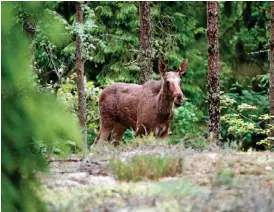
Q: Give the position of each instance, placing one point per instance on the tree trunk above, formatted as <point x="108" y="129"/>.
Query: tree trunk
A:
<point x="271" y="77"/>
<point x="213" y="72"/>
<point x="145" y="42"/>
<point x="81" y="81"/>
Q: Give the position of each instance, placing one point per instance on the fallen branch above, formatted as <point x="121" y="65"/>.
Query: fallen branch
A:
<point x="63" y="160"/>
<point x="258" y="52"/>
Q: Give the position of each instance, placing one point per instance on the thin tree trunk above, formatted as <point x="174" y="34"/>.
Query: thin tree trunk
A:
<point x="145" y="41"/>
<point x="213" y="72"/>
<point x="271" y="76"/>
<point x="81" y="81"/>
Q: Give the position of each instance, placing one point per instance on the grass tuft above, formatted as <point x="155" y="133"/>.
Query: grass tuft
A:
<point x="149" y="140"/>
<point x="224" y="177"/>
<point x="147" y="167"/>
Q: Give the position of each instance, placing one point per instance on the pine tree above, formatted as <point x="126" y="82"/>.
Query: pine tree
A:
<point x="271" y="76"/>
<point x="145" y="42"/>
<point x="213" y="72"/>
<point x="81" y="80"/>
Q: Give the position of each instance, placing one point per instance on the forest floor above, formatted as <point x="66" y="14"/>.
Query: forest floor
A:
<point x="210" y="180"/>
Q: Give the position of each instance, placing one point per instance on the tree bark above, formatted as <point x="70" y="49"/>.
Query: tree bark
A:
<point x="213" y="72"/>
<point x="80" y="77"/>
<point x="145" y="56"/>
<point x="271" y="77"/>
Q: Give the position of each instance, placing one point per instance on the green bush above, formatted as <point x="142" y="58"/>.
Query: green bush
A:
<point x="245" y="118"/>
<point x="185" y="123"/>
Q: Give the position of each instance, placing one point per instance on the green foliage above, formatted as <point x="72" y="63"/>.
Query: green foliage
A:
<point x="27" y="116"/>
<point x="244" y="29"/>
<point x="117" y="27"/>
<point x="186" y="125"/>
<point x="245" y="117"/>
<point x="186" y="120"/>
<point x="67" y="93"/>
<point x="60" y="58"/>
<point x="129" y="135"/>
<point x="147" y="167"/>
<point x="57" y="147"/>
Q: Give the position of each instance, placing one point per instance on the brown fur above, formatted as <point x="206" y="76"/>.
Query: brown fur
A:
<point x="144" y="108"/>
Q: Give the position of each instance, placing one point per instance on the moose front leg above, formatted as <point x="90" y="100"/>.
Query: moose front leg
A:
<point x="164" y="132"/>
<point x="165" y="128"/>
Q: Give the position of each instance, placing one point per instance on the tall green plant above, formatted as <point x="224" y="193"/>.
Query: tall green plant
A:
<point x="27" y="116"/>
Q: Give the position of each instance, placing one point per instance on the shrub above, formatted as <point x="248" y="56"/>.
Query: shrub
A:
<point x="185" y="121"/>
<point x="245" y="118"/>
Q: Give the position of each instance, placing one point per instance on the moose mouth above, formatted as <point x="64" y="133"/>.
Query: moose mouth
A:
<point x="177" y="105"/>
<point x="178" y="101"/>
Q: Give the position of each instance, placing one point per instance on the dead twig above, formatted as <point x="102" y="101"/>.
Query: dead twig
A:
<point x="63" y="160"/>
<point x="258" y="52"/>
<point x="50" y="56"/>
<point x="131" y="62"/>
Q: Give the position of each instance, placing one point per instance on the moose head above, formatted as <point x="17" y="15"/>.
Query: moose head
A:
<point x="172" y="81"/>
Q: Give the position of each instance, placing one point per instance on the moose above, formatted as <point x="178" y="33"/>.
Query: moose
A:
<point x="146" y="108"/>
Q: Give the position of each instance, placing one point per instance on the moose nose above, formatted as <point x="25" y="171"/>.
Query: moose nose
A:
<point x="178" y="98"/>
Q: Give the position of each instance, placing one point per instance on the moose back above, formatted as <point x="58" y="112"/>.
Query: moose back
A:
<point x="146" y="108"/>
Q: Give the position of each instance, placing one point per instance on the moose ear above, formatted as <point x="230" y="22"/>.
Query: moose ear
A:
<point x="162" y="67"/>
<point x="183" y="67"/>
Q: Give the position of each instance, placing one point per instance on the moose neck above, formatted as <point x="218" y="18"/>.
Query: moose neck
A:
<point x="165" y="101"/>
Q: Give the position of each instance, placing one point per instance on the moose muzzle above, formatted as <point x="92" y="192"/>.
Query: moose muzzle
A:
<point x="178" y="98"/>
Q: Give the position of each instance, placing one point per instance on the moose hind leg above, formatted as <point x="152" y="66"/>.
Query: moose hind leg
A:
<point x="106" y="127"/>
<point x="117" y="134"/>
